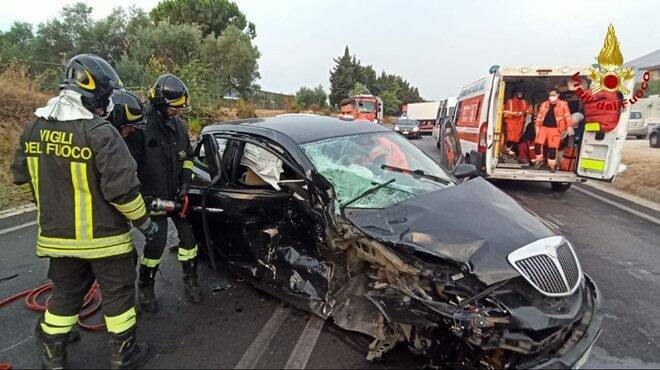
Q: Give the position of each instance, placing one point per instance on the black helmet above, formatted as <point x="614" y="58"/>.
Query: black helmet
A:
<point x="128" y="110"/>
<point x="169" y="91"/>
<point x="93" y="78"/>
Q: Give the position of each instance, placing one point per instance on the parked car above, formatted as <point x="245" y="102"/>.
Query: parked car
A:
<point x="355" y="223"/>
<point x="408" y="127"/>
<point x="654" y="137"/>
<point x="637" y="125"/>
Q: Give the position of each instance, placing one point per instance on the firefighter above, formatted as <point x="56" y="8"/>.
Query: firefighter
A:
<point x="552" y="120"/>
<point x="515" y="111"/>
<point x="83" y="180"/>
<point x="127" y="114"/>
<point x="164" y="157"/>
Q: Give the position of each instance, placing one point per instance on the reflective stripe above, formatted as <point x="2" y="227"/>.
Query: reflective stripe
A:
<point x="592" y="127"/>
<point x="121" y="323"/>
<point x="54" y="324"/>
<point x="134" y="209"/>
<point x="188" y="165"/>
<point x="87" y="249"/>
<point x="177" y="102"/>
<point x="33" y="168"/>
<point x="149" y="262"/>
<point x="592" y="164"/>
<point x="187" y="254"/>
<point x="82" y="201"/>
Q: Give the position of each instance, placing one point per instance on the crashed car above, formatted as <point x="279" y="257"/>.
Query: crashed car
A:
<point x="354" y="223"/>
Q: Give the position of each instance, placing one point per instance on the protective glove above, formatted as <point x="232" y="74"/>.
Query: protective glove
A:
<point x="183" y="190"/>
<point x="148" y="229"/>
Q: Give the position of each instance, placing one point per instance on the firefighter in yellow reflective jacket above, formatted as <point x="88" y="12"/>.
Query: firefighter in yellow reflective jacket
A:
<point x="84" y="184"/>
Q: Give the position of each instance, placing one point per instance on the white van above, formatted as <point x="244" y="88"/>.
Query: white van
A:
<point x="478" y="125"/>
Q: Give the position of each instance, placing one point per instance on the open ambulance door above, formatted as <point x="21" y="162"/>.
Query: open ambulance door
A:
<point x="495" y="127"/>
<point x="600" y="155"/>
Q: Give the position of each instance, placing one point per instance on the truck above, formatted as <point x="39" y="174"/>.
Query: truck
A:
<point x="476" y="132"/>
<point x="369" y="108"/>
<point x="426" y="113"/>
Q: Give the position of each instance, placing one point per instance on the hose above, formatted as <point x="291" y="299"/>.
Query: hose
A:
<point x="91" y="303"/>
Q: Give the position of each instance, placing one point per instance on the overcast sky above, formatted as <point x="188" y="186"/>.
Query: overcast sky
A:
<point x="439" y="46"/>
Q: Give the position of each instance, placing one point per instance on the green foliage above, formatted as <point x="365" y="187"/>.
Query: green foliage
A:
<point x="173" y="44"/>
<point x="306" y="97"/>
<point x="16" y="43"/>
<point x="348" y="72"/>
<point x="359" y="89"/>
<point x="391" y="103"/>
<point x="212" y="16"/>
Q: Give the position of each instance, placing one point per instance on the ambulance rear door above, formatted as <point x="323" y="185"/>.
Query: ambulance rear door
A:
<point x="600" y="155"/>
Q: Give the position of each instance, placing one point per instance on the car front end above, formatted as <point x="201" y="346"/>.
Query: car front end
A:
<point x="408" y="128"/>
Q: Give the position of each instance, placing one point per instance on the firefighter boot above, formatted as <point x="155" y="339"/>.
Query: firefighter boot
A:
<point x="53" y="348"/>
<point x="146" y="295"/>
<point x="126" y="352"/>
<point x="190" y="284"/>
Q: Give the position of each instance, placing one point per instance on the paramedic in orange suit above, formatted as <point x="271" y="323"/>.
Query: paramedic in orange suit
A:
<point x="553" y="119"/>
<point x="515" y="111"/>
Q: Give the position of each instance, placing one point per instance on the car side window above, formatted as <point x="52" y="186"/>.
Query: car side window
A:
<point x="199" y="158"/>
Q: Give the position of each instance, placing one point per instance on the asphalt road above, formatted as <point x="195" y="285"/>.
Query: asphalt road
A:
<point x="238" y="325"/>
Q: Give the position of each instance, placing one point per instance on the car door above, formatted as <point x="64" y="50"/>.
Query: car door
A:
<point x="449" y="145"/>
<point x="262" y="224"/>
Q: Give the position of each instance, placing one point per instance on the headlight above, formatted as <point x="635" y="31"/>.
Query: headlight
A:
<point x="396" y="128"/>
<point x="416" y="129"/>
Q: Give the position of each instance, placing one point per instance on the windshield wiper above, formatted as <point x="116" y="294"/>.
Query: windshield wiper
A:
<point x="366" y="192"/>
<point x="416" y="173"/>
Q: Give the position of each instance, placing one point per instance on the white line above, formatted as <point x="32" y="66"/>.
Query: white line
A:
<point x="253" y="354"/>
<point x="17" y="211"/>
<point x="306" y="342"/>
<point x="17" y="344"/>
<point x="17" y="227"/>
<point x="619" y="205"/>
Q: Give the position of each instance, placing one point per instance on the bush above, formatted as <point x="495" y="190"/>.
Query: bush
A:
<point x="315" y="108"/>
<point x="245" y="109"/>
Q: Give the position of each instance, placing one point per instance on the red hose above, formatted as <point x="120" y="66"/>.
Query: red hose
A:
<point x="91" y="303"/>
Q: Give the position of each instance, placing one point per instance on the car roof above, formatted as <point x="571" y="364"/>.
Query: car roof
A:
<point x="301" y="128"/>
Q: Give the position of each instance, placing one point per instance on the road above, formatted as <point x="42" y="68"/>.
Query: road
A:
<point x="238" y="325"/>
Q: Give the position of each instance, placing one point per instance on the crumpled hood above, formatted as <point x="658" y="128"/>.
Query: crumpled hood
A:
<point x="65" y="107"/>
<point x="473" y="223"/>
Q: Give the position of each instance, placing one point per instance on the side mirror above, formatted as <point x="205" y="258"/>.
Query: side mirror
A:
<point x="212" y="154"/>
<point x="464" y="170"/>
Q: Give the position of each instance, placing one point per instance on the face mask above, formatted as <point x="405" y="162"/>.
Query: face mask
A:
<point x="519" y="96"/>
<point x="553" y="99"/>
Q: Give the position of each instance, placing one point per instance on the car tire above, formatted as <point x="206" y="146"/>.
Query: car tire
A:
<point x="640" y="137"/>
<point x="653" y="141"/>
<point x="560" y="186"/>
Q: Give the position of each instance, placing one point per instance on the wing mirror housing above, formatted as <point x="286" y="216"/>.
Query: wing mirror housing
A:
<point x="464" y="170"/>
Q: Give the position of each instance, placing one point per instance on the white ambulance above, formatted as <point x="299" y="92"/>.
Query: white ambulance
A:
<point x="478" y="127"/>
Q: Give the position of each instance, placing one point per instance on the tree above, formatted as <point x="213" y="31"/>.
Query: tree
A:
<point x="173" y="44"/>
<point x="232" y="59"/>
<point x="306" y="97"/>
<point x="391" y="102"/>
<point x="212" y="16"/>
<point x="359" y="89"/>
<point x="342" y="77"/>
<point x="16" y="43"/>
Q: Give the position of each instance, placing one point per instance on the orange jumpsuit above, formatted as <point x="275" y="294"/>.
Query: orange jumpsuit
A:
<point x="394" y="155"/>
<point x="550" y="136"/>
<point x="515" y="123"/>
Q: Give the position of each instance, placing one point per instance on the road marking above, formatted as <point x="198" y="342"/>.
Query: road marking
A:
<point x="17" y="211"/>
<point x="17" y="344"/>
<point x="306" y="342"/>
<point x="18" y="227"/>
<point x="619" y="205"/>
<point x="253" y="354"/>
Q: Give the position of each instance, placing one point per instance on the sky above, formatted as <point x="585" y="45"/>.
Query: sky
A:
<point x="438" y="46"/>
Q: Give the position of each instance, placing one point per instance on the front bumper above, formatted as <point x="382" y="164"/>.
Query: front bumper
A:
<point x="575" y="355"/>
<point x="638" y="131"/>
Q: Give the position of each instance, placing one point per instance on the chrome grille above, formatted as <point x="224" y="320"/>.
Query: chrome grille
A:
<point x="549" y="265"/>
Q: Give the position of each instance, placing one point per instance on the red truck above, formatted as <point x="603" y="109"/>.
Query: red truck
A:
<point x="369" y="108"/>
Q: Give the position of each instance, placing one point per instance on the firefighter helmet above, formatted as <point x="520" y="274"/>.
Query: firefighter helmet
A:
<point x="169" y="91"/>
<point x="93" y="78"/>
<point x="128" y="110"/>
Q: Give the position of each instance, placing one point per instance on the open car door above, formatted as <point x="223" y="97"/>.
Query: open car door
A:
<point x="449" y="144"/>
<point x="600" y="154"/>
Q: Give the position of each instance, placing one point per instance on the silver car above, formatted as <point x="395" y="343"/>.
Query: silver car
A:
<point x="637" y="125"/>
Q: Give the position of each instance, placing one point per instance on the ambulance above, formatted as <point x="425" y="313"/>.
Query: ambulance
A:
<point x="478" y="125"/>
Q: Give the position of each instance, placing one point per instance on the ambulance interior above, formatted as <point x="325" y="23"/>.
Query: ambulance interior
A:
<point x="535" y="91"/>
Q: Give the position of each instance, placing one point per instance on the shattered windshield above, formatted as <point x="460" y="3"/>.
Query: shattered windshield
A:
<point x="358" y="163"/>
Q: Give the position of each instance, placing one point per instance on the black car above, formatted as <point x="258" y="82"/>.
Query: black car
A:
<point x="408" y="127"/>
<point x="352" y="222"/>
<point x="654" y="137"/>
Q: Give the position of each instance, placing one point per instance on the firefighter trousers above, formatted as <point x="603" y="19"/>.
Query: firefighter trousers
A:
<point x="73" y="277"/>
<point x="153" y="250"/>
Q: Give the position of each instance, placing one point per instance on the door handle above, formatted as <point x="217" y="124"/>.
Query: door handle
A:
<point x="209" y="210"/>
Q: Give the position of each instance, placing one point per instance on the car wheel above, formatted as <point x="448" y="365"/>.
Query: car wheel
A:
<point x="641" y="137"/>
<point x="653" y="141"/>
<point x="560" y="186"/>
